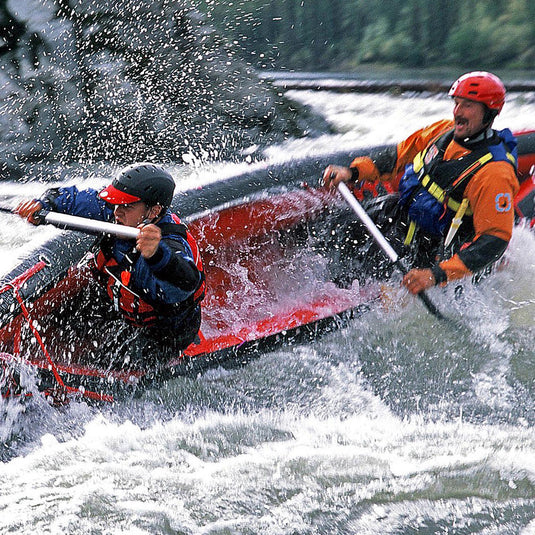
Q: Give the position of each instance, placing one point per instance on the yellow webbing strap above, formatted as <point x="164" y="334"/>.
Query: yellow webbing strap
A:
<point x="418" y="161"/>
<point x="410" y="233"/>
<point x="456" y="222"/>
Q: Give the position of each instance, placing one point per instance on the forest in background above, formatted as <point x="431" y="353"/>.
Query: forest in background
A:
<point x="338" y="35"/>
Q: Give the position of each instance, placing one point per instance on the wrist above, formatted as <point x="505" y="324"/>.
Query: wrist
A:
<point x="156" y="257"/>
<point x="440" y="275"/>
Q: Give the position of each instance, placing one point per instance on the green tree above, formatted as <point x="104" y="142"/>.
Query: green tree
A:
<point x="333" y="34"/>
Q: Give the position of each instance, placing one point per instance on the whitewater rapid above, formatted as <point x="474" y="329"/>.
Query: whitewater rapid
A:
<point x="397" y="424"/>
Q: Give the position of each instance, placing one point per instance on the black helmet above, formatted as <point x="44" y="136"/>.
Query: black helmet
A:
<point x="141" y="182"/>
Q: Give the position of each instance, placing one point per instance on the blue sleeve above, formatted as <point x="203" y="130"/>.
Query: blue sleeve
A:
<point x="171" y="275"/>
<point x="83" y="203"/>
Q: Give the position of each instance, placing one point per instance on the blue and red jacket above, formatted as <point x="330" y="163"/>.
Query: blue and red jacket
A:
<point x="164" y="290"/>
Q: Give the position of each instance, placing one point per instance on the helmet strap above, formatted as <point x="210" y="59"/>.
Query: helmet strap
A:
<point x="486" y="133"/>
<point x="150" y="221"/>
<point x="489" y="116"/>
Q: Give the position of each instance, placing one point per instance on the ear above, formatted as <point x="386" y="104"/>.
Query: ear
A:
<point x="155" y="211"/>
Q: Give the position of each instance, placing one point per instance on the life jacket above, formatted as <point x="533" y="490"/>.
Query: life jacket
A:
<point x="137" y="310"/>
<point x="433" y="188"/>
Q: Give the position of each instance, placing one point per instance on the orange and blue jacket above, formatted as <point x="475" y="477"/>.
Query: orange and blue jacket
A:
<point x="489" y="192"/>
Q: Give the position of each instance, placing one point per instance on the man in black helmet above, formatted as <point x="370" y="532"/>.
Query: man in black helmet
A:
<point x="156" y="284"/>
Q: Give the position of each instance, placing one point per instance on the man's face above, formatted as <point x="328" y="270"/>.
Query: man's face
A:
<point x="131" y="215"/>
<point x="468" y="116"/>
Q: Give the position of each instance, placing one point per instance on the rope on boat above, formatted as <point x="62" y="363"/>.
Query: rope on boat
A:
<point x="15" y="285"/>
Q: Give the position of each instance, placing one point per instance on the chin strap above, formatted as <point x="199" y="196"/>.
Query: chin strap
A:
<point x="486" y="133"/>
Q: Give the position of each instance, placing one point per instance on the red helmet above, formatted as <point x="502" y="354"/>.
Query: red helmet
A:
<point x="480" y="86"/>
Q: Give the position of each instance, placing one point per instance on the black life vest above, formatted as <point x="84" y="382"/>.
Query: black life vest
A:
<point x="433" y="188"/>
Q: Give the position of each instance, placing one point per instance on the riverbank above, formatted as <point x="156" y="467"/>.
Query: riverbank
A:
<point x="382" y="78"/>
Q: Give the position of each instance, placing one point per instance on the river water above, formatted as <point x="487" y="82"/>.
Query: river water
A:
<point x="397" y="424"/>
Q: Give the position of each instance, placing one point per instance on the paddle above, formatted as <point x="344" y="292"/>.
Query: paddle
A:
<point x="383" y="243"/>
<point x="90" y="226"/>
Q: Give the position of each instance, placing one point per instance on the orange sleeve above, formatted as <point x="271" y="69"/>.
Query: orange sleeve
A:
<point x="406" y="151"/>
<point x="491" y="192"/>
<point x="367" y="169"/>
<point x="454" y="268"/>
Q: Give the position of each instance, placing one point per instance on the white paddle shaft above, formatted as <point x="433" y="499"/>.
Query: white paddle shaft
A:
<point x="73" y="222"/>
<point x="366" y="219"/>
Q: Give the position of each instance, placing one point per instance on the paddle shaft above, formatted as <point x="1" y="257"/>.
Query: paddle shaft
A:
<point x="90" y="226"/>
<point x="383" y="243"/>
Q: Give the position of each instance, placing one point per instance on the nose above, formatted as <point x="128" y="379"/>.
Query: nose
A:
<point x="118" y="210"/>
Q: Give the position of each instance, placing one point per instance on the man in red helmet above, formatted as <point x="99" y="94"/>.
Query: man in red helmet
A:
<point x="458" y="181"/>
